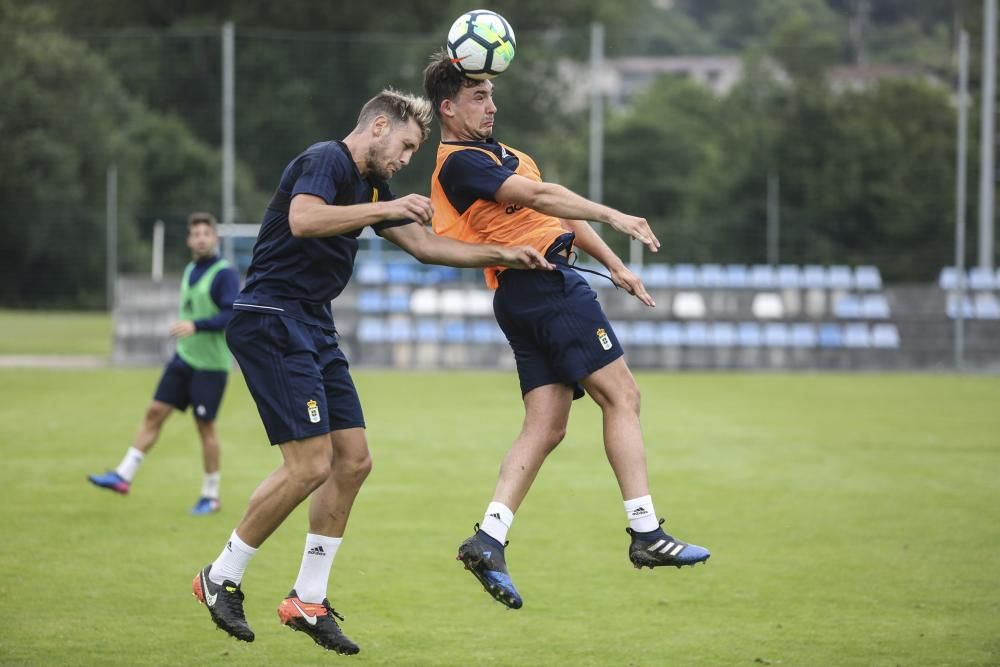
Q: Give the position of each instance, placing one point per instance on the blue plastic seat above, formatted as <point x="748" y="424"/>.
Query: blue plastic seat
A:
<point x="831" y="335"/>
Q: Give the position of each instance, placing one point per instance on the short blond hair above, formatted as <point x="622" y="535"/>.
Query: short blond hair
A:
<point x="398" y="106"/>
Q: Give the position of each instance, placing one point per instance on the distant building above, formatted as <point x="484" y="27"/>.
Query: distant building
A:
<point x="623" y="78"/>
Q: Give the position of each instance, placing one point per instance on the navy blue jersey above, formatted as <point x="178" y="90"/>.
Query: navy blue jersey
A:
<point x="467" y="176"/>
<point x="299" y="277"/>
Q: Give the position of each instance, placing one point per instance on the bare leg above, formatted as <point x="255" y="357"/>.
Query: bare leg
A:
<point x="210" y="449"/>
<point x="614" y="389"/>
<point x="546" y="413"/>
<point x="330" y="505"/>
<point x="152" y="424"/>
<point x="306" y="466"/>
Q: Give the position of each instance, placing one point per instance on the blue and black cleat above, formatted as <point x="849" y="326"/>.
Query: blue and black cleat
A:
<point x="483" y="556"/>
<point x="656" y="549"/>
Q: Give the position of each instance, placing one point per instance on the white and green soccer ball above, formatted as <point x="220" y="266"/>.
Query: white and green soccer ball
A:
<point x="481" y="44"/>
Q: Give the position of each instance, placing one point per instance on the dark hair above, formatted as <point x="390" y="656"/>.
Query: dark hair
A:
<point x="397" y="106"/>
<point x="443" y="81"/>
<point x="201" y="218"/>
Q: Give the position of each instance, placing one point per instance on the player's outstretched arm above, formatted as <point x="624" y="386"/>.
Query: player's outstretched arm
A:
<point x="554" y="199"/>
<point x="309" y="216"/>
<point x="588" y="241"/>
<point x="432" y="249"/>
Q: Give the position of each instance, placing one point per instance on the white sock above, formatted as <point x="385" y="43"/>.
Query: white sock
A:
<point x="317" y="559"/>
<point x="232" y="562"/>
<point x="641" y="515"/>
<point x="130" y="464"/>
<point x="496" y="521"/>
<point x="210" y="485"/>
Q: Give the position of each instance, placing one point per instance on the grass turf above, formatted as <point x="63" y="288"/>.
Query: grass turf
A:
<point x="53" y="332"/>
<point x="853" y="521"/>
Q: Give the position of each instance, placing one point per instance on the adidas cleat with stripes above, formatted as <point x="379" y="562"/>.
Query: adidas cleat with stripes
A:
<point x="656" y="549"/>
<point x="225" y="604"/>
<point x="483" y="557"/>
<point x="318" y="620"/>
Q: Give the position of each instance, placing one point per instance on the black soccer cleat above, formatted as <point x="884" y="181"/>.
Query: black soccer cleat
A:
<point x="483" y="557"/>
<point x="318" y="620"/>
<point x="656" y="548"/>
<point x="225" y="604"/>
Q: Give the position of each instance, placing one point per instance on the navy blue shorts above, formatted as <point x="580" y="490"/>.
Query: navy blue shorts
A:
<point x="297" y="375"/>
<point x="181" y="386"/>
<point x="555" y="325"/>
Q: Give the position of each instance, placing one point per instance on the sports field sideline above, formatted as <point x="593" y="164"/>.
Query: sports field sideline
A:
<point x="852" y="520"/>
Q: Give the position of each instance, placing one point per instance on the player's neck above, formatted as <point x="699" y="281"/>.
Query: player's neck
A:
<point x="358" y="149"/>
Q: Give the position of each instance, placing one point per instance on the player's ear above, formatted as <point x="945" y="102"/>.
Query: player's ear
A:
<point x="380" y="126"/>
<point x="447" y="108"/>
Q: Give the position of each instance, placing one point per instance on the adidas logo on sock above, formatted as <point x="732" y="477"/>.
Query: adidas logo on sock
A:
<point x="317" y="551"/>
<point x="639" y="511"/>
<point x="496" y="515"/>
<point x="229" y="545"/>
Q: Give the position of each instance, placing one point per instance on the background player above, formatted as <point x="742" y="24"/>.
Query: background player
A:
<point x="196" y="374"/>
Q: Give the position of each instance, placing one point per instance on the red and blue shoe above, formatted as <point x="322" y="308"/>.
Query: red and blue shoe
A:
<point x="111" y="481"/>
<point x="206" y="506"/>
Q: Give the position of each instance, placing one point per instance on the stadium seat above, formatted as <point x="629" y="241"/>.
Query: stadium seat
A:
<point x="656" y="276"/>
<point x="831" y="335"/>
<point x="668" y="334"/>
<point x="875" y="306"/>
<point x="815" y="277"/>
<point x="711" y="276"/>
<point x="428" y="331"/>
<point x="767" y="306"/>
<point x="789" y="276"/>
<point x="723" y="334"/>
<point x="847" y="306"/>
<point x="762" y="276"/>
<point x="776" y="334"/>
<point x="402" y="273"/>
<point x="981" y="278"/>
<point x="839" y="277"/>
<point x="371" y="330"/>
<point x="696" y="334"/>
<point x="399" y="330"/>
<point x="885" y="336"/>
<point x="370" y="273"/>
<point x="737" y="276"/>
<point x="968" y="312"/>
<point x="452" y="302"/>
<point x="689" y="305"/>
<point x="643" y="333"/>
<point x="623" y="330"/>
<point x="856" y="335"/>
<point x="986" y="306"/>
<point x="685" y="276"/>
<point x="398" y="300"/>
<point x="803" y="334"/>
<point x="371" y="301"/>
<point x="482" y="331"/>
<point x="748" y="334"/>
<point x="478" y="302"/>
<point x="455" y="331"/>
<point x="424" y="301"/>
<point x="438" y="275"/>
<point x="867" y="278"/>
<point x="948" y="279"/>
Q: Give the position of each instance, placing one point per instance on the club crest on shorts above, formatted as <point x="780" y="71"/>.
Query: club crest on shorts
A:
<point x="313" y="407"/>
<point x="602" y="336"/>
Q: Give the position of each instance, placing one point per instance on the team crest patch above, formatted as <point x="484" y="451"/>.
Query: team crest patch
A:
<point x="602" y="336"/>
<point x="313" y="411"/>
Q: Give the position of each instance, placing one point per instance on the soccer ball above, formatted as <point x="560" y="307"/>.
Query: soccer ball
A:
<point x="481" y="44"/>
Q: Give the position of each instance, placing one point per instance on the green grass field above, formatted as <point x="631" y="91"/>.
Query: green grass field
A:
<point x="853" y="521"/>
<point x="53" y="332"/>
